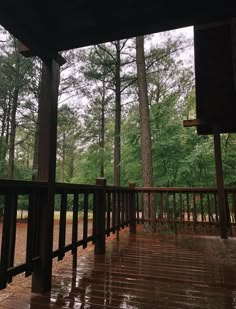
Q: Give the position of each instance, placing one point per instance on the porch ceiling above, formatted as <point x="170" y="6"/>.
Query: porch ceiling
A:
<point x="48" y="26"/>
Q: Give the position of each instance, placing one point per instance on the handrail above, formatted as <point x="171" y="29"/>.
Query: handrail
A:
<point x="182" y="205"/>
<point x="182" y="189"/>
<point x="79" y="198"/>
<point x="176" y="207"/>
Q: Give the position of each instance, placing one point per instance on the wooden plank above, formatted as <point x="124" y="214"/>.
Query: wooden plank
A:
<point x="192" y="123"/>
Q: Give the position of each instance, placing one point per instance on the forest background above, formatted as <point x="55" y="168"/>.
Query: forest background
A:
<point x="99" y="116"/>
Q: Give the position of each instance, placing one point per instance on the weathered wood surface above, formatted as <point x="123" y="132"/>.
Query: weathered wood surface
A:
<point x="143" y="271"/>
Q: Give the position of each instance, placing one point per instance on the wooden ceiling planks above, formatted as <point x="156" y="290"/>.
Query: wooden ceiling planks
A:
<point x="62" y="25"/>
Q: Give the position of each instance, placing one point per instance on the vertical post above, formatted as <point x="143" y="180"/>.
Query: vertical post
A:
<point x="100" y="212"/>
<point x="220" y="185"/>
<point x="132" y="225"/>
<point x="42" y="275"/>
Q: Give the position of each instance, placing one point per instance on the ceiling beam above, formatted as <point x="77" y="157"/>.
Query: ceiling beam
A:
<point x="26" y="52"/>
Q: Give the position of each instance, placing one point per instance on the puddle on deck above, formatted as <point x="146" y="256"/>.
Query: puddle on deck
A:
<point x="144" y="271"/>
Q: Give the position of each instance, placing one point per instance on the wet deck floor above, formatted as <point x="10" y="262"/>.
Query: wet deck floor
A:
<point x="144" y="271"/>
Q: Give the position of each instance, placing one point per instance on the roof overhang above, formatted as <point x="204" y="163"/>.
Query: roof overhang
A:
<point x="47" y="27"/>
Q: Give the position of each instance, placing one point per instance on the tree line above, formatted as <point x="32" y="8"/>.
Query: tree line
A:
<point x="120" y="112"/>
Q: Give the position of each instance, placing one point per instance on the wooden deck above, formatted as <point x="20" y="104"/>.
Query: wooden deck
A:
<point x="144" y="271"/>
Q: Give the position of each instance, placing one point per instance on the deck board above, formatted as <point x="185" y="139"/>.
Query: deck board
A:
<point x="144" y="271"/>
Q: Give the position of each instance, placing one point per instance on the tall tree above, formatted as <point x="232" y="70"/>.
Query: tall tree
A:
<point x="146" y="145"/>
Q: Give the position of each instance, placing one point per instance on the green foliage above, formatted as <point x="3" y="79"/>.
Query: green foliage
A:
<point x="180" y="156"/>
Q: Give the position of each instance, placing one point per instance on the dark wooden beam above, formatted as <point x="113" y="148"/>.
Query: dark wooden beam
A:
<point x="220" y="185"/>
<point x="192" y="123"/>
<point x="42" y="273"/>
<point x="26" y="52"/>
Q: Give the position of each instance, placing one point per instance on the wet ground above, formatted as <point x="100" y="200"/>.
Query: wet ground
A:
<point x="143" y="271"/>
<point x="20" y="282"/>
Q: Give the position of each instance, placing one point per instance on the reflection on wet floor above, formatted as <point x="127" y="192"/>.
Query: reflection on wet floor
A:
<point x="145" y="271"/>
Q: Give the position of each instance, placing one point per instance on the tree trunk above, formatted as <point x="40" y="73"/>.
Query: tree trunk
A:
<point x="12" y="134"/>
<point x="117" y="118"/>
<point x="3" y="145"/>
<point x="71" y="166"/>
<point x="146" y="145"/>
<point x="35" y="155"/>
<point x="63" y="157"/>
<point x="102" y="133"/>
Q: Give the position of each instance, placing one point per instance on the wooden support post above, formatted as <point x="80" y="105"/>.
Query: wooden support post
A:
<point x="132" y="204"/>
<point x="220" y="185"/>
<point x="99" y="219"/>
<point x="42" y="275"/>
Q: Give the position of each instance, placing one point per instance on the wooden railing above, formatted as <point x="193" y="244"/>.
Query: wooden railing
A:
<point x="94" y="212"/>
<point x="184" y="205"/>
<point x="89" y="213"/>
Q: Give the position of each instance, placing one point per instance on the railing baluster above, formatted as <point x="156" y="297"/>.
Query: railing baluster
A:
<point x="161" y="206"/>
<point x="122" y="209"/>
<point x="85" y="221"/>
<point x="62" y="229"/>
<point x="188" y="208"/>
<point x="31" y="230"/>
<point x="118" y="211"/>
<point x="201" y="205"/>
<point x="75" y="228"/>
<point x="194" y="212"/>
<point x="228" y="216"/>
<point x="167" y="206"/>
<point x="234" y="207"/>
<point x="174" y="201"/>
<point x="132" y="212"/>
<point x="8" y="237"/>
<point x="137" y="207"/>
<point x="108" y="213"/>
<point x="216" y="206"/>
<point x="149" y="207"/>
<point x="127" y="208"/>
<point x="99" y="219"/>
<point x="180" y="206"/>
<point x="209" y="207"/>
<point x="113" y="212"/>
<point x="142" y="205"/>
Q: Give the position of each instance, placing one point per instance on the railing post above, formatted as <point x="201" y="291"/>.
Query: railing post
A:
<point x="42" y="272"/>
<point x="99" y="217"/>
<point x="132" y="225"/>
<point x="220" y="186"/>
